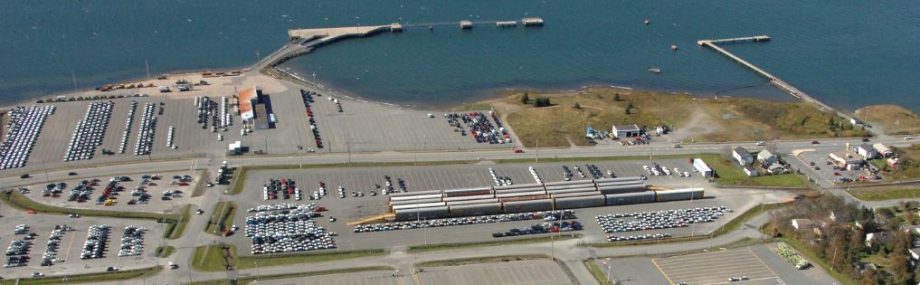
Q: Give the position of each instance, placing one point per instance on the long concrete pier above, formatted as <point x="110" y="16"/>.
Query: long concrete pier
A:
<point x="774" y="80"/>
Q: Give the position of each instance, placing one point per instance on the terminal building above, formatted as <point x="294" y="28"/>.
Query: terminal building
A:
<point x="255" y="108"/>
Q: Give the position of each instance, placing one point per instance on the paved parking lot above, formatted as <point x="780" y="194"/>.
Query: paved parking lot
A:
<point x="72" y="243"/>
<point x="716" y="267"/>
<point x="359" y="278"/>
<point x="458" y="176"/>
<point x="534" y="272"/>
<point x="825" y="172"/>
<point x="155" y="204"/>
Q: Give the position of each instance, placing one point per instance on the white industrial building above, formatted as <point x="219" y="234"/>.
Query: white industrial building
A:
<point x="883" y="150"/>
<point x="866" y="151"/>
<point x="626" y="131"/>
<point x="248" y="98"/>
<point x="702" y="168"/>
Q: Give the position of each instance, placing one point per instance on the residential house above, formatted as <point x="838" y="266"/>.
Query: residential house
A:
<point x="883" y="150"/>
<point x="803" y="224"/>
<point x="766" y="157"/>
<point x="776" y="168"/>
<point x="742" y="156"/>
<point x="750" y="171"/>
<point x="877" y="238"/>
<point x="866" y="151"/>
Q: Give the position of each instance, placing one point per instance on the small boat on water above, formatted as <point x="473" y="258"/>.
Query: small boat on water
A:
<point x="647" y="22"/>
<point x="673" y="47"/>
<point x="654" y="70"/>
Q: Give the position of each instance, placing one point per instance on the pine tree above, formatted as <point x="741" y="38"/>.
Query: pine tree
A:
<point x="525" y="99"/>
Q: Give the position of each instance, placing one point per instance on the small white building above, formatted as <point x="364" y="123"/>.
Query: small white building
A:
<point x="766" y="157"/>
<point x="866" y="151"/>
<point x="750" y="171"/>
<point x="883" y="150"/>
<point x="776" y="168"/>
<point x="626" y="131"/>
<point x="914" y="253"/>
<point x="702" y="168"/>
<point x="846" y="159"/>
<point x="877" y="238"/>
<point x="742" y="156"/>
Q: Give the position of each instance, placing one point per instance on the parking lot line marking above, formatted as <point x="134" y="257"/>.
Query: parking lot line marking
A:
<point x="761" y="262"/>
<point x="69" y="246"/>
<point x="662" y="272"/>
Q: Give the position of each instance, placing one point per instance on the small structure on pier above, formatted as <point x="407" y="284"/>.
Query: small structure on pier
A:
<point x="506" y="24"/>
<point x="532" y="21"/>
<point x="466" y="25"/>
<point x="396" y="27"/>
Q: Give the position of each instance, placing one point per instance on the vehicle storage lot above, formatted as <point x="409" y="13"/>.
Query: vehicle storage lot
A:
<point x="156" y="192"/>
<point x="72" y="243"/>
<point x="457" y="176"/>
<point x="535" y="272"/>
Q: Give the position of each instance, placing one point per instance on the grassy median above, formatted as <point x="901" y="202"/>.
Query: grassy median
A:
<point x="88" y="277"/>
<point x="478" y="260"/>
<point x="885" y="194"/>
<point x="175" y="222"/>
<point x="221" y="217"/>
<point x="731" y="174"/>
<point x="211" y="258"/>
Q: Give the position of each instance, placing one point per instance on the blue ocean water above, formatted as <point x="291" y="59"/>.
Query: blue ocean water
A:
<point x="848" y="53"/>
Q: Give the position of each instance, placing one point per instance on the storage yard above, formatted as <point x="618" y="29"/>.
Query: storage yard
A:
<point x="474" y="217"/>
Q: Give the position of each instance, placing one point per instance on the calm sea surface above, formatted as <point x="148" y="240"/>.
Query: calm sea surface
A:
<point x="848" y="53"/>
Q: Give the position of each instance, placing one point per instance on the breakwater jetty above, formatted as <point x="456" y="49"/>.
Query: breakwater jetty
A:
<point x="774" y="80"/>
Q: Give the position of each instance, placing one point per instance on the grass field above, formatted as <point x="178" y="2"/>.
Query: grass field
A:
<point x="211" y="259"/>
<point x="895" y="120"/>
<point x="164" y="251"/>
<point x="252" y="279"/>
<point x="497" y="242"/>
<point x="731" y="174"/>
<point x="693" y="118"/>
<point x="885" y="194"/>
<point x="596" y="271"/>
<point x="222" y="214"/>
<point x="908" y="168"/>
<point x="176" y="222"/>
<point x="89" y="277"/>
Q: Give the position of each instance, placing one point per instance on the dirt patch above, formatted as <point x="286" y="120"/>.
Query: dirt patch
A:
<point x="892" y="119"/>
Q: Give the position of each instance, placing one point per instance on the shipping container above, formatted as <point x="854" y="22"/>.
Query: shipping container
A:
<point x="415" y="193"/>
<point x="573" y="186"/>
<point x="618" y="179"/>
<point x="413" y="206"/>
<point x="479" y="201"/>
<point x="614" y="189"/>
<point x="576" y="190"/>
<point x="475" y="209"/>
<point x="417" y="197"/>
<point x="577" y="194"/>
<point x="420" y="201"/>
<point x="422" y="213"/>
<point x="528" y="206"/>
<point x="580" y="202"/>
<point x="630" y="198"/>
<point x="465" y="198"/>
<point x="524" y="198"/>
<point x="504" y="195"/>
<point x="467" y="192"/>
<point x="519" y="190"/>
<point x="518" y="186"/>
<point x="620" y="183"/>
<point x="679" y="194"/>
<point x="570" y="182"/>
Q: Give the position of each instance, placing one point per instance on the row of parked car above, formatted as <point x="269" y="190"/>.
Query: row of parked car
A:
<point x="17" y="253"/>
<point x="88" y="133"/>
<point x="132" y="242"/>
<point x="54" y="245"/>
<point x="663" y="219"/>
<point x="289" y="230"/>
<point x="613" y="238"/>
<point x="485" y="219"/>
<point x="307" y="97"/>
<point x="97" y="237"/>
<point x="23" y="126"/>
<point x="283" y="188"/>
<point x="481" y="128"/>
<point x="543" y="228"/>
<point x="500" y="180"/>
<point x="129" y="123"/>
<point x="658" y="170"/>
<point x="148" y="128"/>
